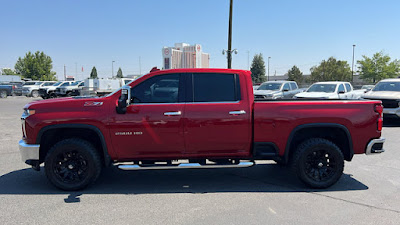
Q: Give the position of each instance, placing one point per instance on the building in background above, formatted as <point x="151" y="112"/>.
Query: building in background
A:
<point x="183" y="55"/>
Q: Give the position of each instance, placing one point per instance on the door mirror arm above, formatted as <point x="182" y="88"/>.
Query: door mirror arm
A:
<point x="125" y="99"/>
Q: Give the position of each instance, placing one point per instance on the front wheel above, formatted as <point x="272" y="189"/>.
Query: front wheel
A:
<point x="35" y="94"/>
<point x="72" y="164"/>
<point x="318" y="163"/>
<point x="3" y="94"/>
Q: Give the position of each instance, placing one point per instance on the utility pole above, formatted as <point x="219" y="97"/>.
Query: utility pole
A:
<point x="65" y="73"/>
<point x="269" y="57"/>
<point x="352" y="66"/>
<point x="230" y="37"/>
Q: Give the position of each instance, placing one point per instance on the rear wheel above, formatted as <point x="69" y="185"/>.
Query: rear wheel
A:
<point x="53" y="95"/>
<point x="3" y="94"/>
<point x="35" y="94"/>
<point x="318" y="163"/>
<point x="72" y="164"/>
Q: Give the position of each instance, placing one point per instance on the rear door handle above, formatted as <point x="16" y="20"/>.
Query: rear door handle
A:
<point x="173" y="113"/>
<point x="240" y="112"/>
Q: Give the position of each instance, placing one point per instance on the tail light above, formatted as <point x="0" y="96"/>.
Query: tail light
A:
<point x="14" y="86"/>
<point x="379" y="110"/>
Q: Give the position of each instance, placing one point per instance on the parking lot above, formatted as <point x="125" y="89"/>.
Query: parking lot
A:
<point x="367" y="193"/>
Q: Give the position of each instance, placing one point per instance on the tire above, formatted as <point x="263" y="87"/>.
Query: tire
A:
<point x="318" y="163"/>
<point x="52" y="95"/>
<point x="3" y="94"/>
<point x="35" y="94"/>
<point x="72" y="164"/>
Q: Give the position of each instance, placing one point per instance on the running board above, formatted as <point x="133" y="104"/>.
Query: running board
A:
<point x="183" y="166"/>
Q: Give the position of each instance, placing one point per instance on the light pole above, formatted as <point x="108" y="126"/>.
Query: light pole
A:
<point x="269" y="57"/>
<point x="230" y="37"/>
<point x="352" y="66"/>
<point x="112" y="68"/>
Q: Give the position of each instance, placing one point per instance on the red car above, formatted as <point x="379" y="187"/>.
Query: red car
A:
<point x="186" y="118"/>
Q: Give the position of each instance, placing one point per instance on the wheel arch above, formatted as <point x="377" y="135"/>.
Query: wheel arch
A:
<point x="337" y="133"/>
<point x="57" y="132"/>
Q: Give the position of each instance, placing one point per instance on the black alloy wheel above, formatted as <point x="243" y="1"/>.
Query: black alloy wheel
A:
<point x="318" y="163"/>
<point x="72" y="164"/>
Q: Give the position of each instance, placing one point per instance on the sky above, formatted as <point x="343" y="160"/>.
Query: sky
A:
<point x="86" y="33"/>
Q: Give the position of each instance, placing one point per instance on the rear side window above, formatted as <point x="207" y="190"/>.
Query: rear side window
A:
<point x="293" y="86"/>
<point x="348" y="87"/>
<point x="214" y="87"/>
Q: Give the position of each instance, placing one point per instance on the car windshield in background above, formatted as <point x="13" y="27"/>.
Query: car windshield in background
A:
<point x="48" y="84"/>
<point x="73" y="84"/>
<point x="29" y="83"/>
<point x="65" y="84"/>
<point x="38" y="83"/>
<point x="270" y="86"/>
<point x="56" y="84"/>
<point x="387" y="86"/>
<point x="327" y="88"/>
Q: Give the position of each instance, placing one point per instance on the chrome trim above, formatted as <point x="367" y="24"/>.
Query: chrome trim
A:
<point x="241" y="112"/>
<point x="368" y="151"/>
<point x="183" y="166"/>
<point x="28" y="151"/>
<point x="392" y="111"/>
<point x="173" y="113"/>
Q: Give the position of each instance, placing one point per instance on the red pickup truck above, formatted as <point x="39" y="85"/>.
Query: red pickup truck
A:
<point x="195" y="118"/>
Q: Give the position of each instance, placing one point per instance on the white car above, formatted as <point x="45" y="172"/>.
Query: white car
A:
<point x="277" y="90"/>
<point x="330" y="90"/>
<point x="31" y="88"/>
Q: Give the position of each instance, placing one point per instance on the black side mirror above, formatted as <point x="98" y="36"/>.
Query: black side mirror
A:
<point x="124" y="100"/>
<point x="285" y="90"/>
<point x="341" y="92"/>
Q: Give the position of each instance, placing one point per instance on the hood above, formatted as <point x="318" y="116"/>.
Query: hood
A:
<point x="382" y="95"/>
<point x="266" y="92"/>
<point x="65" y="104"/>
<point x="316" y="95"/>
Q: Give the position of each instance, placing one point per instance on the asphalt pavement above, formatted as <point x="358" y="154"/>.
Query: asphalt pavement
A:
<point x="367" y="193"/>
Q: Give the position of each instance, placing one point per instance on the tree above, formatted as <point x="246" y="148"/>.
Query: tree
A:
<point x="295" y="74"/>
<point x="35" y="66"/>
<point x="119" y="73"/>
<point x="378" y="67"/>
<point x="331" y="70"/>
<point x="93" y="74"/>
<point x="258" y="69"/>
<point x="8" y="71"/>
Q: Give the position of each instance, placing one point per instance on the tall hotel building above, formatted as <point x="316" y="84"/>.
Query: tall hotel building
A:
<point x="183" y="55"/>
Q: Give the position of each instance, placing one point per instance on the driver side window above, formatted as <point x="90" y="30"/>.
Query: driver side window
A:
<point x="158" y="89"/>
<point x="341" y="88"/>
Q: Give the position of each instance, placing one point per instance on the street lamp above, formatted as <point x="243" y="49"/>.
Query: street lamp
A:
<point x="229" y="51"/>
<point x="352" y="66"/>
<point x="269" y="57"/>
<point x="112" y="68"/>
<point x="229" y="55"/>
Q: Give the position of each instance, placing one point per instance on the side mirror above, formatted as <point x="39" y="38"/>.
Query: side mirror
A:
<point x="285" y="90"/>
<point x="124" y="100"/>
<point x="341" y="92"/>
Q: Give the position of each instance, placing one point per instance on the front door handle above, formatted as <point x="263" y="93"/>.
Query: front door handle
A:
<point x="173" y="113"/>
<point x="240" y="112"/>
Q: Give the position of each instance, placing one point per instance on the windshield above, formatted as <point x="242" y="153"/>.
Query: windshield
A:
<point x="64" y="84"/>
<point x="38" y="83"/>
<point x="29" y="83"/>
<point x="48" y="84"/>
<point x="387" y="86"/>
<point x="56" y="84"/>
<point x="327" y="88"/>
<point x="270" y="86"/>
<point x="75" y="83"/>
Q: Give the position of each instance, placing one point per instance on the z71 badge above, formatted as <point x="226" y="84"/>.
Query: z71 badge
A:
<point x="93" y="104"/>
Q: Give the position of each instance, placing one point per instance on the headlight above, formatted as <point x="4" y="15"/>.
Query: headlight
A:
<point x="28" y="112"/>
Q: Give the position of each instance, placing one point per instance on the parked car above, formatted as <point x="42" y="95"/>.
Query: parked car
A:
<point x="31" y="88"/>
<point x="17" y="87"/>
<point x="101" y="87"/>
<point x="70" y="90"/>
<point x="277" y="90"/>
<point x="388" y="91"/>
<point x="195" y="118"/>
<point x="330" y="90"/>
<point x="367" y="88"/>
<point x="5" y="90"/>
<point x="49" y="91"/>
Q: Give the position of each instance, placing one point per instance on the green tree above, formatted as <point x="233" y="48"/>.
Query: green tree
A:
<point x="7" y="71"/>
<point x="119" y="73"/>
<point x="36" y="66"/>
<point x="93" y="74"/>
<point x="331" y="70"/>
<point x="378" y="67"/>
<point x="258" y="69"/>
<point x="295" y="74"/>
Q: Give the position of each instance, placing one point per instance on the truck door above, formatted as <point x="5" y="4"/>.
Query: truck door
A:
<point x="153" y="124"/>
<point x="218" y="116"/>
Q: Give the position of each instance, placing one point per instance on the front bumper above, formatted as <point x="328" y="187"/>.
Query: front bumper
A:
<point x="375" y="146"/>
<point x="392" y="111"/>
<point x="29" y="152"/>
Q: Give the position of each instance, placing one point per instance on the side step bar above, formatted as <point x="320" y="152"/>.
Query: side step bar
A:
<point x="183" y="166"/>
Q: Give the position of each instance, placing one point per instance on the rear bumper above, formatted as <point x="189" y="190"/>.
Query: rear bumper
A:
<point x="28" y="152"/>
<point x="375" y="146"/>
<point x="392" y="111"/>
